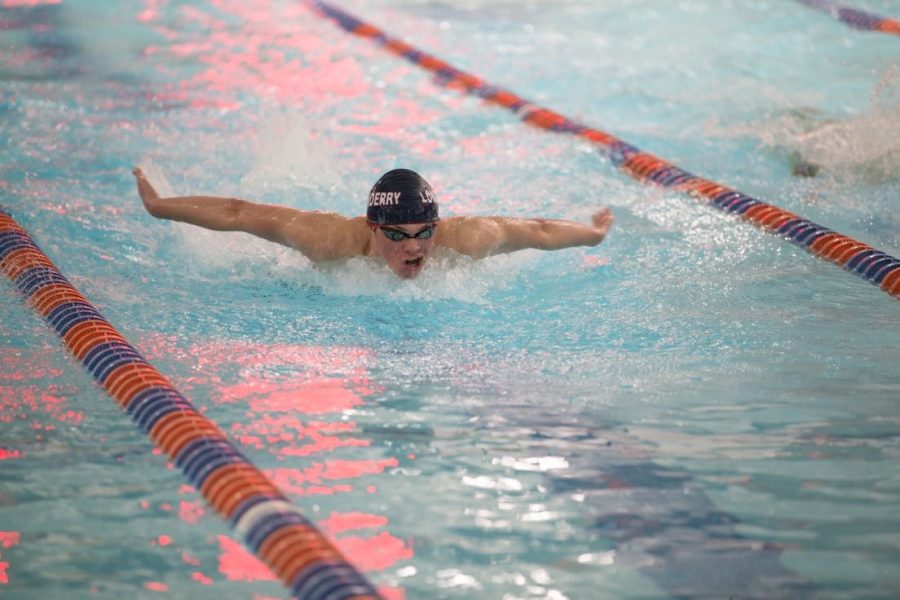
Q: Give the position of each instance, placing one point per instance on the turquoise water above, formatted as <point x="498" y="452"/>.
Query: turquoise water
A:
<point x="693" y="409"/>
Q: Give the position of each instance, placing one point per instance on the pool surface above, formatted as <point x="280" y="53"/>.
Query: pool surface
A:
<point x="693" y="409"/>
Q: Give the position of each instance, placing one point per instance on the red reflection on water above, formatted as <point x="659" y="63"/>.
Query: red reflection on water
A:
<point x="371" y="553"/>
<point x="250" y="354"/>
<point x="299" y="439"/>
<point x="375" y="553"/>
<point x="191" y="512"/>
<point x="280" y="385"/>
<point x="21" y="402"/>
<point x="151" y="10"/>
<point x="238" y="564"/>
<point x="246" y="47"/>
<point x="20" y="365"/>
<point x="292" y="480"/>
<point x="278" y="52"/>
<point x="6" y="454"/>
<point x="8" y="539"/>
<point x="201" y="578"/>
<point x="592" y="262"/>
<point x="156" y="586"/>
<point x="341" y="522"/>
<point x="21" y="3"/>
<point x="392" y="593"/>
<point x="32" y="391"/>
<point x="311" y="397"/>
<point x="482" y="145"/>
<point x="270" y="54"/>
<point x="345" y="469"/>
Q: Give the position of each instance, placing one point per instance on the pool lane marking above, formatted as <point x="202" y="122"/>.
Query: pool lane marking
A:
<point x="857" y="19"/>
<point x="876" y="266"/>
<point x="259" y="513"/>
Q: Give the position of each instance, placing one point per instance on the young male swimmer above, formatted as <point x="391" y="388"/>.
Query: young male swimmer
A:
<point x="401" y="225"/>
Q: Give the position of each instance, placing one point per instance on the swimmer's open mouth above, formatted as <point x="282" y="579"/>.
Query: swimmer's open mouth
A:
<point x="415" y="262"/>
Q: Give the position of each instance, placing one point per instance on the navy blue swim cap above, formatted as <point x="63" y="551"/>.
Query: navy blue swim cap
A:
<point x="401" y="196"/>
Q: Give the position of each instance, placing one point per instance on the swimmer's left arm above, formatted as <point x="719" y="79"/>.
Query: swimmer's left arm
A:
<point x="485" y="236"/>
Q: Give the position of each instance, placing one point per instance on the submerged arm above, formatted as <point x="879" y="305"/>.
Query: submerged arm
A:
<point x="485" y="236"/>
<point x="320" y="236"/>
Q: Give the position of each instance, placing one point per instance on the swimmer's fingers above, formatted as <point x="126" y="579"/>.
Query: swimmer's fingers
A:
<point x="138" y="174"/>
<point x="145" y="188"/>
<point x="603" y="220"/>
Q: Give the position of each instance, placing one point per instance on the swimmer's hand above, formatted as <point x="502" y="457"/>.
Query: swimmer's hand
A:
<point x="147" y="192"/>
<point x="602" y="220"/>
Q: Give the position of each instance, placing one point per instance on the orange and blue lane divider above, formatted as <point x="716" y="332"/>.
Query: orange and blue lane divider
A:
<point x="857" y="19"/>
<point x="876" y="266"/>
<point x="276" y="531"/>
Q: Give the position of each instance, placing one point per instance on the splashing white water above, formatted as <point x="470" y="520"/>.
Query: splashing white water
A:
<point x="289" y="154"/>
<point x="864" y="147"/>
<point x="447" y="276"/>
<point x="157" y="177"/>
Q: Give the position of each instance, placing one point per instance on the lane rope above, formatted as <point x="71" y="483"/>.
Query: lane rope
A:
<point x="876" y="266"/>
<point x="258" y="512"/>
<point x="857" y="19"/>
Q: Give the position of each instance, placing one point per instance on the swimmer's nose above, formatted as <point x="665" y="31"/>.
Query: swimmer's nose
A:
<point x="412" y="246"/>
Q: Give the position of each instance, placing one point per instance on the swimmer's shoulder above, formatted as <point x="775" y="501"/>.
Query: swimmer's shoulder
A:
<point x="451" y="228"/>
<point x="471" y="236"/>
<point x="326" y="236"/>
<point x="448" y="231"/>
<point x="358" y="238"/>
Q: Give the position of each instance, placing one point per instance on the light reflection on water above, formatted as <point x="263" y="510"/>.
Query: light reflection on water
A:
<point x="606" y="421"/>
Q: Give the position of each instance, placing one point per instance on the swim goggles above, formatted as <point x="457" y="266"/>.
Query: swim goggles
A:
<point x="396" y="235"/>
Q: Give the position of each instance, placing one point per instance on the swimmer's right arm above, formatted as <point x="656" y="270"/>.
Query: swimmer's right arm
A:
<point x="319" y="236"/>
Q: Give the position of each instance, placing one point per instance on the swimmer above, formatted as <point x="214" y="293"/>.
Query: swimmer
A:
<point x="401" y="225"/>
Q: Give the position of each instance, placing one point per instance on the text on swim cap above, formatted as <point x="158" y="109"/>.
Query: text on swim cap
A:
<point x="384" y="198"/>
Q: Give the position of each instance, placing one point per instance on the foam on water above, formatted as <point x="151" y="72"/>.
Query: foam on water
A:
<point x="861" y="147"/>
<point x="231" y="256"/>
<point x="447" y="276"/>
<point x="290" y="156"/>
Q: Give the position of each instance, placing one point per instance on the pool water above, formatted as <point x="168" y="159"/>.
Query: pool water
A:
<point x="693" y="409"/>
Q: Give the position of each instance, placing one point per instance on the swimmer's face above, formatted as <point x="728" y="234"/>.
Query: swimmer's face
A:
<point x="405" y="254"/>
